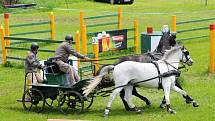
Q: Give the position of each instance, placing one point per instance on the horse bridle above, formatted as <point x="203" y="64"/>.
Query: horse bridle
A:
<point x="186" y="53"/>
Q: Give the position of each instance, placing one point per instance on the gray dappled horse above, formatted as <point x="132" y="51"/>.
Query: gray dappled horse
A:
<point x="166" y="42"/>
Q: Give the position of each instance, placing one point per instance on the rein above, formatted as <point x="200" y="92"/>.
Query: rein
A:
<point x="132" y="84"/>
<point x="167" y="63"/>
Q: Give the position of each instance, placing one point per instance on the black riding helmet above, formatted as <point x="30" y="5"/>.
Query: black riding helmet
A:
<point x="69" y="37"/>
<point x="34" y="46"/>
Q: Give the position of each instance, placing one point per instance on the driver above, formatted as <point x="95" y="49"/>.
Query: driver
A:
<point x="32" y="65"/>
<point x="62" y="59"/>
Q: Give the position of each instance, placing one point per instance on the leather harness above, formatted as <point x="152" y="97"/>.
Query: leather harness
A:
<point x="159" y="73"/>
<point x="165" y="74"/>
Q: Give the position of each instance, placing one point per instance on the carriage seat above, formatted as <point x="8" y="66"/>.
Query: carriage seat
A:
<point x="52" y="67"/>
<point x="54" y="75"/>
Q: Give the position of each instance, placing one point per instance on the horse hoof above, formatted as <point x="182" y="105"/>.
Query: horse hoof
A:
<point x="172" y="111"/>
<point x="148" y="103"/>
<point x="195" y="104"/>
<point x="162" y="105"/>
<point x="105" y="115"/>
<point x="188" y="101"/>
<point x="106" y="112"/>
<point x="135" y="109"/>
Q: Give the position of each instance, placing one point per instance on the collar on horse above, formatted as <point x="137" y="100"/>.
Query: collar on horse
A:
<point x="175" y="72"/>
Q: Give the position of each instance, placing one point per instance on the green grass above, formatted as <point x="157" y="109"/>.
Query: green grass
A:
<point x="197" y="82"/>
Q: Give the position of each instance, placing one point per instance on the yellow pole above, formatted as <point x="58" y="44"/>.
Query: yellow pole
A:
<point x="174" y="23"/>
<point x="212" y="39"/>
<point x="84" y="40"/>
<point x="119" y="18"/>
<point x="77" y="45"/>
<point x="7" y="31"/>
<point x="3" y="43"/>
<point x="52" y="26"/>
<point x="136" y="36"/>
<point x="96" y="53"/>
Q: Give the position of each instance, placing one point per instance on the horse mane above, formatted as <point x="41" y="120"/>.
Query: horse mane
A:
<point x="170" y="52"/>
<point x="166" y="41"/>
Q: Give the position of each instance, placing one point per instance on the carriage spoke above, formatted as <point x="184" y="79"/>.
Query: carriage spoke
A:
<point x="35" y="98"/>
<point x="49" y="102"/>
<point x="26" y="100"/>
<point x="73" y="102"/>
<point x="38" y="100"/>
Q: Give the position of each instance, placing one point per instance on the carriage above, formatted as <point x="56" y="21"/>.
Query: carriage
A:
<point x="80" y="95"/>
<point x="55" y="88"/>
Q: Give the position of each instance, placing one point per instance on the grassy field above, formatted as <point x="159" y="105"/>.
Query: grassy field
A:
<point x="197" y="82"/>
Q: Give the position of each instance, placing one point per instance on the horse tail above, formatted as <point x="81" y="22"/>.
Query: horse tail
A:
<point x="97" y="79"/>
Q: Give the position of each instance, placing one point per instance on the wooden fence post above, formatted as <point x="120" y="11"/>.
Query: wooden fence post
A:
<point x="119" y="18"/>
<point x="136" y="46"/>
<point x="96" y="54"/>
<point x="212" y="39"/>
<point x="52" y="26"/>
<point x="3" y="43"/>
<point x="84" y="40"/>
<point x="174" y="23"/>
<point x="7" y="30"/>
<point x="77" y="45"/>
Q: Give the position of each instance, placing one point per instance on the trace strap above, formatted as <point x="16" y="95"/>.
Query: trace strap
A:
<point x="166" y="74"/>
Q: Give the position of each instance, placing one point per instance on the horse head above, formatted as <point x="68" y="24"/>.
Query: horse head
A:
<point x="176" y="54"/>
<point x="167" y="41"/>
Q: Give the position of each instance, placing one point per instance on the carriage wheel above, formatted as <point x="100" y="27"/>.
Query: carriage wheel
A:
<point x="50" y="101"/>
<point x="33" y="99"/>
<point x="88" y="101"/>
<point x="71" y="102"/>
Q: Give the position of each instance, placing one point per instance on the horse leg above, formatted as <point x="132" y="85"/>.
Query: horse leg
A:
<point x="163" y="103"/>
<point x="188" y="98"/>
<point x="112" y="97"/>
<point x="177" y="84"/>
<point x="167" y="87"/>
<point x="122" y="95"/>
<point x="134" y="92"/>
<point x="128" y="99"/>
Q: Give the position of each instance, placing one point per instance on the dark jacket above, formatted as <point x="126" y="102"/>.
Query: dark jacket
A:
<point x="64" y="50"/>
<point x="31" y="62"/>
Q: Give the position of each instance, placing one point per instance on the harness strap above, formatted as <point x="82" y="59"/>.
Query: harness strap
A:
<point x="159" y="77"/>
<point x="167" y="74"/>
<point x="152" y="56"/>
